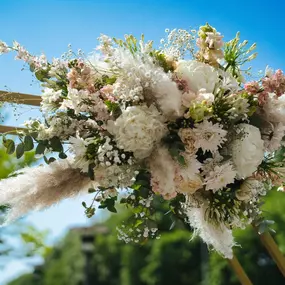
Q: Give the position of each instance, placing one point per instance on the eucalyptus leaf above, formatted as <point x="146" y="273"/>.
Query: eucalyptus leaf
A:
<point x="28" y="142"/>
<point x="10" y="146"/>
<point x="20" y="150"/>
<point x="40" y="149"/>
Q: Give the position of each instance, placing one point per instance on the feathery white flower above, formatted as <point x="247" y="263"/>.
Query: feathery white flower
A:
<point x="219" y="237"/>
<point x="40" y="187"/>
<point x="162" y="168"/>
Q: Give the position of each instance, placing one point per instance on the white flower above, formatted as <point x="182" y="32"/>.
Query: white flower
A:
<point x="198" y="75"/>
<point x="142" y="80"/>
<point x="162" y="168"/>
<point x="138" y="129"/>
<point x="209" y="136"/>
<point x="220" y="237"/>
<point x="4" y="48"/>
<point x="274" y="108"/>
<point x="240" y="106"/>
<point x="115" y="176"/>
<point x="247" y="152"/>
<point x="205" y="97"/>
<point x="275" y="141"/>
<point x="167" y="94"/>
<point x="228" y="82"/>
<point x="187" y="136"/>
<point x="79" y="148"/>
<point x="220" y="176"/>
<point x="187" y="178"/>
<point x="49" y="99"/>
<point x="268" y="71"/>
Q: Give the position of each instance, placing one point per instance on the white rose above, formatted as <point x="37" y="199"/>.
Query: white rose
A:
<point x="138" y="129"/>
<point x="247" y="151"/>
<point x="198" y="75"/>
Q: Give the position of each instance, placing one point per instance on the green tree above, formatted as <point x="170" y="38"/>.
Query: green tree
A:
<point x="172" y="259"/>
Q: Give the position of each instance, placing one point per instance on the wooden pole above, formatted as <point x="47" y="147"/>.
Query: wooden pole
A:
<point x="272" y="248"/>
<point x="20" y="98"/>
<point x="10" y="130"/>
<point x="237" y="268"/>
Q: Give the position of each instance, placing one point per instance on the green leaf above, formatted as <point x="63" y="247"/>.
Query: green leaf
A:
<point x="42" y="74"/>
<point x="10" y="146"/>
<point x="172" y="225"/>
<point x="62" y="155"/>
<point x="51" y="159"/>
<point x="91" y="190"/>
<point x="123" y="201"/>
<point x="55" y="144"/>
<point x="29" y="144"/>
<point x="138" y="223"/>
<point x="112" y="208"/>
<point x="91" y="171"/>
<point x="40" y="149"/>
<point x="84" y="204"/>
<point x="20" y="150"/>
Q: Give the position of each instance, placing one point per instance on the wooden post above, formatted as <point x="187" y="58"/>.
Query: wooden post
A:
<point x="10" y="130"/>
<point x="20" y="98"/>
<point x="237" y="268"/>
<point x="272" y="248"/>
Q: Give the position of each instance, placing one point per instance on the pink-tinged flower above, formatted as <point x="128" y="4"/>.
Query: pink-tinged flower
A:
<point x="81" y="77"/>
<point x="262" y="98"/>
<point x="252" y="87"/>
<point x="107" y="93"/>
<point x="275" y="83"/>
<point x="182" y="85"/>
<point x="214" y="40"/>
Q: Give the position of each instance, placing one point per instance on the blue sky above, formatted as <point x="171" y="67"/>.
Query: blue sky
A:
<point x="49" y="26"/>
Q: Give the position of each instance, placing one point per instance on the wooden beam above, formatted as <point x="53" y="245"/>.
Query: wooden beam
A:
<point x="10" y="130"/>
<point x="237" y="268"/>
<point x="20" y="98"/>
<point x="274" y="251"/>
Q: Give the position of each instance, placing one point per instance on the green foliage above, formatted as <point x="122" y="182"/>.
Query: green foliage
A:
<point x="175" y="146"/>
<point x="27" y="279"/>
<point x="173" y="260"/>
<point x="162" y="61"/>
<point x="236" y="54"/>
<point x="65" y="263"/>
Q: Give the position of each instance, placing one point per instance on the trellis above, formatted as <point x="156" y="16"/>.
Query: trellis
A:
<point x="266" y="238"/>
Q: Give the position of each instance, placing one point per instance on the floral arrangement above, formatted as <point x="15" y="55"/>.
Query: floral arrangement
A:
<point x="180" y="125"/>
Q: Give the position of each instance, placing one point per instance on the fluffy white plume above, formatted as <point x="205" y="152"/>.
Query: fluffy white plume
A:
<point x="41" y="187"/>
<point x="219" y="237"/>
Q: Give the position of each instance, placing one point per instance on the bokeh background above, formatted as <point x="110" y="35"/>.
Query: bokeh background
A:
<point x="60" y="245"/>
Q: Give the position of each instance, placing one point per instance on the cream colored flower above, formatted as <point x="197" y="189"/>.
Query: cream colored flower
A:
<point x="188" y="138"/>
<point x="198" y="75"/>
<point x="248" y="152"/>
<point x="138" y="130"/>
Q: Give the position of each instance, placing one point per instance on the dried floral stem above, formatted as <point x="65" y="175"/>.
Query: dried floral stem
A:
<point x="237" y="268"/>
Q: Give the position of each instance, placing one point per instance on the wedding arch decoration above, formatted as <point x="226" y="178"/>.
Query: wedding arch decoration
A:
<point x="183" y="124"/>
